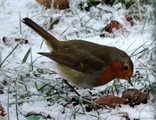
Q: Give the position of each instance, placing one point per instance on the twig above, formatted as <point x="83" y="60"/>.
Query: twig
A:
<point x="140" y="15"/>
<point x="8" y="105"/>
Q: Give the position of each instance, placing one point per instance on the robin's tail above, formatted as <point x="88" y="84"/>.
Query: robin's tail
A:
<point x="52" y="42"/>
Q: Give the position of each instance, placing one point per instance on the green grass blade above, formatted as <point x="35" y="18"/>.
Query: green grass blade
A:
<point x="26" y="56"/>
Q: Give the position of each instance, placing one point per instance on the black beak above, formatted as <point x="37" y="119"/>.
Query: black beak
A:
<point x="129" y="81"/>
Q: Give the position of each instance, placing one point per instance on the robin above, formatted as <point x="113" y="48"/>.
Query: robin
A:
<point x="85" y="64"/>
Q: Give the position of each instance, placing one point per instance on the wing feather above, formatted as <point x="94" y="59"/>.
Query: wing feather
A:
<point x="83" y="62"/>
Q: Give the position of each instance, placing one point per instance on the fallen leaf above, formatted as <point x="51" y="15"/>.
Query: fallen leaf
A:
<point x="36" y="115"/>
<point x="110" y="101"/>
<point x="134" y="96"/>
<point x="9" y="41"/>
<point x="61" y="4"/>
<point x="2" y="111"/>
<point x="53" y="22"/>
<point x="58" y="4"/>
<point x="129" y="19"/>
<point x="113" y="25"/>
<point x="46" y="3"/>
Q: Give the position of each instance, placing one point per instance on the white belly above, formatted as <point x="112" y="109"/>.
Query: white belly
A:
<point x="75" y="77"/>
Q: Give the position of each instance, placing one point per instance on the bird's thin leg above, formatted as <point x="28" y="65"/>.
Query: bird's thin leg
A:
<point x="88" y="101"/>
<point x="66" y="82"/>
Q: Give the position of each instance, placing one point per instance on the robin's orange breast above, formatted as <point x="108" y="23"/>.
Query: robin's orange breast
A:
<point x="106" y="77"/>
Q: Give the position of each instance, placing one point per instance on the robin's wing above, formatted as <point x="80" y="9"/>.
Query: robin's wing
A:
<point x="78" y="60"/>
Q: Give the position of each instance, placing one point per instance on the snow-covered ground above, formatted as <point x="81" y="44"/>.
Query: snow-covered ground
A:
<point x="21" y="79"/>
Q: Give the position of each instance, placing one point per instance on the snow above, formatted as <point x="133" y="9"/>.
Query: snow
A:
<point x="76" y="24"/>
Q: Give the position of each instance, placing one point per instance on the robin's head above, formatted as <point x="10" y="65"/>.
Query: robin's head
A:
<point x="123" y="67"/>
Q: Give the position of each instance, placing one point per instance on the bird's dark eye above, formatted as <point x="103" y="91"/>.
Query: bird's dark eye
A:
<point x="125" y="67"/>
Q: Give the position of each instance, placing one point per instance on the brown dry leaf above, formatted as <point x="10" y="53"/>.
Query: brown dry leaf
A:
<point x="110" y="101"/>
<point x="8" y="41"/>
<point x="19" y="39"/>
<point x="113" y="25"/>
<point x="1" y="89"/>
<point x="129" y="19"/>
<point x="58" y="4"/>
<point x="46" y="3"/>
<point x="2" y="111"/>
<point x="61" y="4"/>
<point x="53" y="22"/>
<point x="134" y="96"/>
